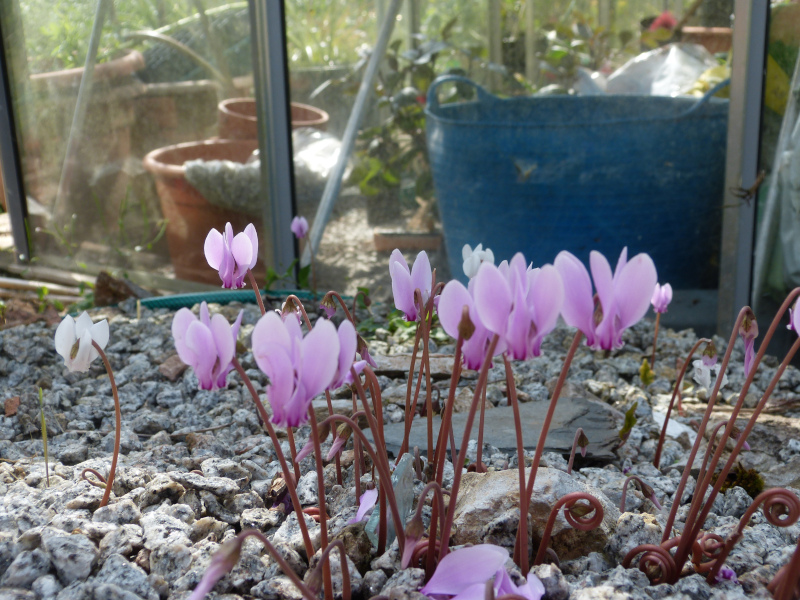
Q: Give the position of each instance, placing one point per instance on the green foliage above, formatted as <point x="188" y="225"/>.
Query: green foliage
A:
<point x="273" y="277"/>
<point x="627" y="425"/>
<point x="42" y="293"/>
<point x="303" y="276"/>
<point x="748" y="479"/>
<point x="86" y="298"/>
<point x="646" y="373"/>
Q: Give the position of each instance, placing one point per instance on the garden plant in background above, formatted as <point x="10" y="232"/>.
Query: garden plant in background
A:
<point x="503" y="315"/>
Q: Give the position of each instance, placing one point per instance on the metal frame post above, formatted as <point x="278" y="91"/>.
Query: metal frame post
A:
<point x="741" y="164"/>
<point x="271" y="82"/>
<point x="10" y="162"/>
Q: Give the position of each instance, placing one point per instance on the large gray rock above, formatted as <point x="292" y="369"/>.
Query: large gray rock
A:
<point x="73" y="556"/>
<point x="26" y="568"/>
<point x="119" y="572"/>
<point x="487" y="511"/>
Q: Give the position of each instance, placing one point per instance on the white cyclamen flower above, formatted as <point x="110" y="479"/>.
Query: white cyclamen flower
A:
<point x="474" y="258"/>
<point x="74" y="341"/>
<point x="702" y="373"/>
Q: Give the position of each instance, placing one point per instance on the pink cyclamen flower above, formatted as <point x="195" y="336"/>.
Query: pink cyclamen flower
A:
<point x="232" y="255"/>
<point x="464" y="576"/>
<point x="298" y="367"/>
<point x="221" y="564"/>
<point x="405" y="281"/>
<point x="726" y="573"/>
<point x="624" y="296"/>
<point x="299" y="227"/>
<point x="662" y="296"/>
<point x="208" y="345"/>
<point x="74" y="339"/>
<point x="366" y="503"/>
<point x="451" y="304"/>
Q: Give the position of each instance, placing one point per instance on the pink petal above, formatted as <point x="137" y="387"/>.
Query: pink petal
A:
<point x="453" y="299"/>
<point x="421" y="275"/>
<point x="465" y="567"/>
<point x="202" y="355"/>
<point x="280" y="389"/>
<point x="621" y="262"/>
<point x="546" y="299"/>
<point x="269" y="336"/>
<point x="180" y="324"/>
<point x="223" y="340"/>
<point x="204" y="316"/>
<point x="338" y="444"/>
<point x="403" y="291"/>
<point x="214" y="248"/>
<point x="519" y="322"/>
<point x="250" y="232"/>
<point x="242" y="251"/>
<point x="634" y="289"/>
<point x="320" y="356"/>
<point x="603" y="280"/>
<point x="492" y="298"/>
<point x="397" y="257"/>
<point x="578" y="308"/>
<point x="367" y="501"/>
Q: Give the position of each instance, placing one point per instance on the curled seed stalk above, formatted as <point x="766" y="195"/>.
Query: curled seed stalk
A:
<point x="781" y="509"/>
<point x="656" y="562"/>
<point x="583" y="522"/>
<point x="102" y="480"/>
<point x="347" y="313"/>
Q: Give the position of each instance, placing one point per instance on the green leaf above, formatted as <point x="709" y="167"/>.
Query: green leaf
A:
<point x="303" y="277"/>
<point x="646" y="373"/>
<point x="630" y="421"/>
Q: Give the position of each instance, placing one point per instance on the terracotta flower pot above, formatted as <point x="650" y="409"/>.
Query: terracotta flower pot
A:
<point x="237" y="118"/>
<point x="189" y="215"/>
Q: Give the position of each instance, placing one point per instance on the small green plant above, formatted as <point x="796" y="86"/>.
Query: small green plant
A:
<point x="646" y="373"/>
<point x="627" y="425"/>
<point x="42" y="293"/>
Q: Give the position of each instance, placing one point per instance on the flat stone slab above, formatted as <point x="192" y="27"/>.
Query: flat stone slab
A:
<point x="599" y="421"/>
<point x="397" y="365"/>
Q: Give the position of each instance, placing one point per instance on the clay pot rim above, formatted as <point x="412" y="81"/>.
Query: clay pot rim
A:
<point x="153" y="164"/>
<point x="322" y="118"/>
<point x="123" y="66"/>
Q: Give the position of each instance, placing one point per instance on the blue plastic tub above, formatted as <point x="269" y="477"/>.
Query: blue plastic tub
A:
<point x="580" y="173"/>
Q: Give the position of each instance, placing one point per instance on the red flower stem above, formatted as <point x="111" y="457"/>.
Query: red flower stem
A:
<point x="712" y="400"/>
<point x="694" y="526"/>
<point x="521" y="556"/>
<point x="426" y="359"/>
<point x="578" y="433"/>
<point x="336" y="458"/>
<point x="293" y="453"/>
<point x="382" y="519"/>
<point x="383" y="473"/>
<point x="323" y="515"/>
<point x="437" y="512"/>
<point x="288" y="571"/>
<point x="291" y="483"/>
<point x="655" y="340"/>
<point x="257" y="291"/>
<point x="562" y="377"/>
<point x="357" y="456"/>
<point x="377" y="402"/>
<point x="479" y="466"/>
<point x="462" y="452"/>
<point x="447" y="415"/>
<point x="693" y="522"/>
<point x="711" y="446"/>
<point x="344" y="306"/>
<point x="409" y="413"/>
<point x="675" y="392"/>
<point x="325" y="559"/>
<point x="118" y="426"/>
